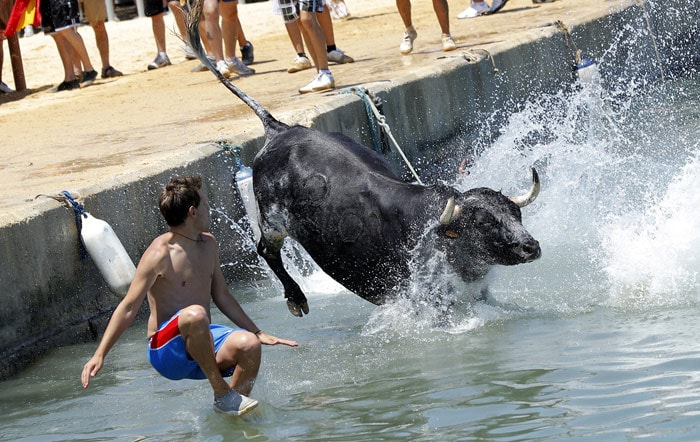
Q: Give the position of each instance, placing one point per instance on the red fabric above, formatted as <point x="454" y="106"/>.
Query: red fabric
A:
<point x="165" y="334"/>
<point x="17" y="13"/>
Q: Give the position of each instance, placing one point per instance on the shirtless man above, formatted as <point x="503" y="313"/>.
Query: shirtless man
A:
<point x="180" y="274"/>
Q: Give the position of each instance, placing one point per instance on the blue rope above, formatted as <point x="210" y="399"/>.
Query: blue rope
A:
<point x="375" y="131"/>
<point x="79" y="214"/>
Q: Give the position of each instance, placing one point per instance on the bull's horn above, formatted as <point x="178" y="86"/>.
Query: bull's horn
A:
<point x="524" y="200"/>
<point x="446" y="216"/>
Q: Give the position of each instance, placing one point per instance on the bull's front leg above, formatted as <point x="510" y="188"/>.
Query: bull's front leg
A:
<point x="296" y="300"/>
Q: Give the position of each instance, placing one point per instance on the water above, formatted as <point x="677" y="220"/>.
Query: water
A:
<point x="598" y="340"/>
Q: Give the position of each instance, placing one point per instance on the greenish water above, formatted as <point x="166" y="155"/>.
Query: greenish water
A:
<point x="598" y="340"/>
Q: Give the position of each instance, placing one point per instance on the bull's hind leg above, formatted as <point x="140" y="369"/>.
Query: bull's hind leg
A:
<point x="296" y="300"/>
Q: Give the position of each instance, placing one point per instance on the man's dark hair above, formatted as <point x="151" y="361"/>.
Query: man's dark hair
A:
<point x="178" y="196"/>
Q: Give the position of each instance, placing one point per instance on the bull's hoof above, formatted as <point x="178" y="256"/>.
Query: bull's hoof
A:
<point x="298" y="310"/>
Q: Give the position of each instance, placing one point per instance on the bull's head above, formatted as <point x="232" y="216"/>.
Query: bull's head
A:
<point x="486" y="229"/>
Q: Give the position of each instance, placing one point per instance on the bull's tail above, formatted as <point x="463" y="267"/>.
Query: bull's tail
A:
<point x="271" y="124"/>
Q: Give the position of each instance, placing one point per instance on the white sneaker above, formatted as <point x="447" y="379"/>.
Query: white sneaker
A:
<point x="496" y="5"/>
<point x="321" y="82"/>
<point x="476" y="9"/>
<point x="237" y="66"/>
<point x="407" y="44"/>
<point x="338" y="56"/>
<point x="448" y="44"/>
<point x="234" y="403"/>
<point x="223" y="68"/>
<point x="299" y="64"/>
<point x="189" y="52"/>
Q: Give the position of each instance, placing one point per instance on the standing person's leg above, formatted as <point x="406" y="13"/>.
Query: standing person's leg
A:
<point x="290" y="16"/>
<point x="75" y="40"/>
<point x="314" y="39"/>
<point x="229" y="30"/>
<point x="65" y="52"/>
<point x="154" y="10"/>
<point x="334" y="54"/>
<point x="316" y="43"/>
<point x="247" y="50"/>
<point x="442" y="11"/>
<point x="409" y="33"/>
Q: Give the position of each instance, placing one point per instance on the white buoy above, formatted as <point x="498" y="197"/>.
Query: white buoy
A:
<point x="587" y="70"/>
<point x="244" y="181"/>
<point x="108" y="254"/>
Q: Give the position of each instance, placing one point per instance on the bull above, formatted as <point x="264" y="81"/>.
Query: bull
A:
<point x="358" y="221"/>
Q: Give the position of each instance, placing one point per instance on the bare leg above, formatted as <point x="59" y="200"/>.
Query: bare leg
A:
<point x="102" y="41"/>
<point x="243" y="350"/>
<point x="194" y="328"/>
<point x="404" y="7"/>
<point x="65" y="53"/>
<point x="229" y="27"/>
<point x="79" y="51"/>
<point x="179" y="16"/>
<point x="442" y="12"/>
<point x="242" y="40"/>
<point x="315" y="41"/>
<point x="295" y="36"/>
<point x="158" y="25"/>
<point x="324" y="19"/>
<point x="213" y="30"/>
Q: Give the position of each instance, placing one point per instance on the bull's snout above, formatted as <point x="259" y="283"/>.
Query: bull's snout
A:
<point x="529" y="250"/>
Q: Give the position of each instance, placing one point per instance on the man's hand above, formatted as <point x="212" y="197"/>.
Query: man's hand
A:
<point x="273" y="340"/>
<point x="90" y="370"/>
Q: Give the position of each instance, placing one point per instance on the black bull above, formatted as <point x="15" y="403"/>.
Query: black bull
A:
<point x="358" y="221"/>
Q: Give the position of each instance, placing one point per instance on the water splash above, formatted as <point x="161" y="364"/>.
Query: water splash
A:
<point x="618" y="216"/>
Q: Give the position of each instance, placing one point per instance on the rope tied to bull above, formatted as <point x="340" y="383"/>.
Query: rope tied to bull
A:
<point x="377" y="119"/>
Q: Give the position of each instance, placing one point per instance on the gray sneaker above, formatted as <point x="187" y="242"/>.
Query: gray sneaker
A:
<point x="234" y="403"/>
<point x="237" y="66"/>
<point x="159" y="62"/>
<point x="338" y="56"/>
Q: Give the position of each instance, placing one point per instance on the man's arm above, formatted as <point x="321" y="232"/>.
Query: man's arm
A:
<point x="125" y="313"/>
<point x="230" y="307"/>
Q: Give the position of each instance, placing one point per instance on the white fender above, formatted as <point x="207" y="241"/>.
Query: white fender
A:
<point x="244" y="181"/>
<point x="108" y="254"/>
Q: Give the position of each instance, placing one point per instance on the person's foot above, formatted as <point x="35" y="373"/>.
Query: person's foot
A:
<point x="67" y="86"/>
<point x="224" y="69"/>
<point x="322" y="82"/>
<point x="407" y="44"/>
<point x="160" y="62"/>
<point x="247" y="53"/>
<point x="110" y="72"/>
<point x="338" y="56"/>
<point x="448" y="44"/>
<point x="88" y="78"/>
<point x="299" y="64"/>
<point x="234" y="404"/>
<point x="496" y="6"/>
<point x="5" y="89"/>
<point x="237" y="66"/>
<point x="476" y="9"/>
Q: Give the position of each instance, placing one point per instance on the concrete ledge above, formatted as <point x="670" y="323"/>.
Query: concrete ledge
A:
<point x="53" y="297"/>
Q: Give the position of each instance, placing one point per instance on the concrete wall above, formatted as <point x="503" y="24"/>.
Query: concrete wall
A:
<point x="53" y="297"/>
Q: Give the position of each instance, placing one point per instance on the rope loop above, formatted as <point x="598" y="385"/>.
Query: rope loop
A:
<point x="379" y="120"/>
<point x="79" y="214"/>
